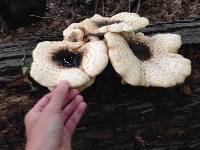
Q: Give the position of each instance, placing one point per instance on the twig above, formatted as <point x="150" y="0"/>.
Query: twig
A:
<point x="138" y="6"/>
<point x="95" y="6"/>
<point x="196" y="2"/>
<point x="41" y="17"/>
<point x="129" y="7"/>
<point x="103" y="8"/>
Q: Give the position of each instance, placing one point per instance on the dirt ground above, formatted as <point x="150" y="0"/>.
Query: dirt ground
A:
<point x="59" y="14"/>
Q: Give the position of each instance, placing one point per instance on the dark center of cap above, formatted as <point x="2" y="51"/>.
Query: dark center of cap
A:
<point x="140" y="50"/>
<point x="67" y="59"/>
<point x="106" y="23"/>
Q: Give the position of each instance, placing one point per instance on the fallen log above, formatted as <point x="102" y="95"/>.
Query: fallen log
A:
<point x="118" y="117"/>
<point x="11" y="54"/>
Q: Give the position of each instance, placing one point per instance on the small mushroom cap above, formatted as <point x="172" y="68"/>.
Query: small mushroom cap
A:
<point x="72" y="26"/>
<point x="74" y="38"/>
<point x="74" y="35"/>
<point x="77" y="36"/>
<point x="163" y="69"/>
<point x="122" y="22"/>
<point x="47" y="73"/>
<point x="96" y="58"/>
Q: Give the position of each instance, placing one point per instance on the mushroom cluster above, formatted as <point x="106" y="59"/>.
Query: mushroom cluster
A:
<point x="83" y="54"/>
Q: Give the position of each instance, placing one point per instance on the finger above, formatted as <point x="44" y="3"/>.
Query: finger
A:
<point x="70" y="96"/>
<point x="42" y="103"/>
<point x="58" y="97"/>
<point x="71" y="107"/>
<point x="75" y="118"/>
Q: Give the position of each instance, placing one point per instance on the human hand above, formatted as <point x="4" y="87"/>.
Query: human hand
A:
<point x="50" y="124"/>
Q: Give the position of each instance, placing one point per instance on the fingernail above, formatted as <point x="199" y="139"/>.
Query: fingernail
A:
<point x="77" y="90"/>
<point x="83" y="105"/>
<point x="63" y="83"/>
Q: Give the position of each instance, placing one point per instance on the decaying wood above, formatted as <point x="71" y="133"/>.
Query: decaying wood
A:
<point x="118" y="117"/>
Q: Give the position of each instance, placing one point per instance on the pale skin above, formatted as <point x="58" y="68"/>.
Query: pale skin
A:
<point x="51" y="123"/>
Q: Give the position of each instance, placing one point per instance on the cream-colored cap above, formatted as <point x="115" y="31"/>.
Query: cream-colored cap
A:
<point x="121" y="22"/>
<point x="47" y="72"/>
<point x="164" y="68"/>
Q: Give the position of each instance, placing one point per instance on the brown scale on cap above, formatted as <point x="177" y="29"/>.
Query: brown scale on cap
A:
<point x="140" y="50"/>
<point x="67" y="59"/>
<point x="106" y="23"/>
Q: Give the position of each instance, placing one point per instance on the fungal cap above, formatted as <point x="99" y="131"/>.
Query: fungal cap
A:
<point x="73" y="35"/>
<point x="96" y="57"/>
<point x="118" y="23"/>
<point x="71" y="27"/>
<point x="130" y="22"/>
<point x="92" y="58"/>
<point x="167" y="71"/>
<point x="48" y="73"/>
<point x="87" y="85"/>
<point x="164" y="68"/>
<point x="123" y="60"/>
<point x="169" y="42"/>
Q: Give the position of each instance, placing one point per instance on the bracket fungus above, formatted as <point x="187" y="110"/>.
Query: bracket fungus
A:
<point x="148" y="61"/>
<point x="83" y="54"/>
<point x="56" y="61"/>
